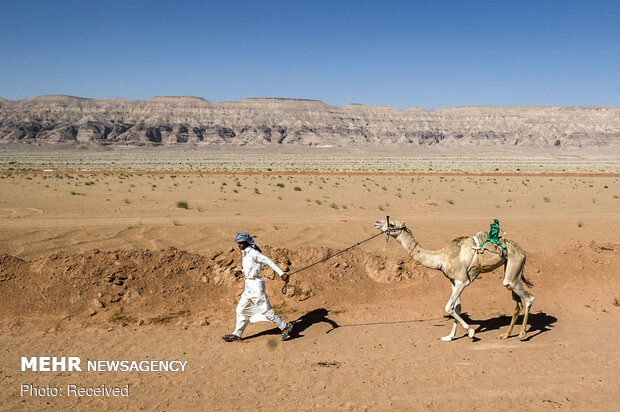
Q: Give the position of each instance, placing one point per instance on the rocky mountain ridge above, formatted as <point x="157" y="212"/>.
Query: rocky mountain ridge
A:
<point x="179" y="120"/>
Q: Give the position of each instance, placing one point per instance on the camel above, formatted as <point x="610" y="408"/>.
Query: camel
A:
<point x="461" y="264"/>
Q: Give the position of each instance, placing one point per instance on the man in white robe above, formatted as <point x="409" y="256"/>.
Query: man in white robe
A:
<point x="254" y="305"/>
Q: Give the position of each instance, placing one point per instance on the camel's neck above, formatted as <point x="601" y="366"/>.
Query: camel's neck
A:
<point x="429" y="258"/>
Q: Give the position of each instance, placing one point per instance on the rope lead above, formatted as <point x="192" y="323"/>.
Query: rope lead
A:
<point x="387" y="234"/>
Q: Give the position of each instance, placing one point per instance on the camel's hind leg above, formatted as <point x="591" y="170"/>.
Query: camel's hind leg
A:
<point x="515" y="314"/>
<point x="513" y="281"/>
<point x="528" y="299"/>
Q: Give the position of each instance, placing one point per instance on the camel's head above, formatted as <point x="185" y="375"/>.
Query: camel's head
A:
<point x="393" y="229"/>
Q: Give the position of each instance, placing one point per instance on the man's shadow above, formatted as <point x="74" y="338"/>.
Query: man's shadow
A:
<point x="539" y="322"/>
<point x="301" y="324"/>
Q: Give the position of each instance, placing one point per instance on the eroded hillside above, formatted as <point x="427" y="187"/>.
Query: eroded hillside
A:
<point x="182" y="120"/>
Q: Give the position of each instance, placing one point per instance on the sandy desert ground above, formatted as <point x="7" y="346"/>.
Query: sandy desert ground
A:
<point x="126" y="264"/>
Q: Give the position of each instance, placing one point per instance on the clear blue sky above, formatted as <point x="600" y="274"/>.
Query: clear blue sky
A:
<point x="428" y="54"/>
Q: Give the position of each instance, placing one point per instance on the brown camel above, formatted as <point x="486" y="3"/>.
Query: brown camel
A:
<point x="461" y="262"/>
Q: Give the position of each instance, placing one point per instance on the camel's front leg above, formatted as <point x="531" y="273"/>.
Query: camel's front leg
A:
<point x="455" y="323"/>
<point x="451" y="308"/>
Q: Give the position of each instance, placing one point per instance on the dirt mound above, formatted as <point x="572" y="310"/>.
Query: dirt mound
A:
<point x="143" y="286"/>
<point x="157" y="286"/>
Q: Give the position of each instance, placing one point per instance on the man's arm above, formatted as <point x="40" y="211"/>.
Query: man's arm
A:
<point x="260" y="258"/>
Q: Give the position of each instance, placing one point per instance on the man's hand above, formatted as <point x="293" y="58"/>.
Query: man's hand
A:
<point x="285" y="277"/>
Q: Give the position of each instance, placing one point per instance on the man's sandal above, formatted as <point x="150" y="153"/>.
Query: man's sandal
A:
<point x="231" y="338"/>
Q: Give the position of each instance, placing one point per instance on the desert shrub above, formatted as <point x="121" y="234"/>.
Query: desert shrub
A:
<point x="122" y="318"/>
<point x="182" y="204"/>
<point x="163" y="319"/>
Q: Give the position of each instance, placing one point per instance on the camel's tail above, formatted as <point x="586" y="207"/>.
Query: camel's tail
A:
<point x="523" y="278"/>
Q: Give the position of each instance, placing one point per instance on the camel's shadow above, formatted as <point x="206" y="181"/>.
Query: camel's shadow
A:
<point x="538" y="323"/>
<point x="301" y="324"/>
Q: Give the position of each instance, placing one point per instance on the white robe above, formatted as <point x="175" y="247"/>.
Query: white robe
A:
<point x="254" y="304"/>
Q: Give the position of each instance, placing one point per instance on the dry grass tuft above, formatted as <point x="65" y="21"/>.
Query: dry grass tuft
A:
<point x="122" y="318"/>
<point x="163" y="319"/>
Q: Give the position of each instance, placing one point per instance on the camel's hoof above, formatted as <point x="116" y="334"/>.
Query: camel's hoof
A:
<point x="446" y="338"/>
<point x="503" y="336"/>
<point x="522" y="335"/>
<point x="471" y="332"/>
